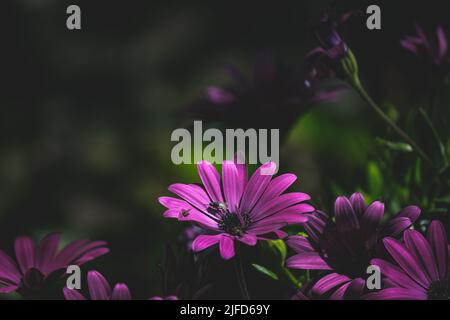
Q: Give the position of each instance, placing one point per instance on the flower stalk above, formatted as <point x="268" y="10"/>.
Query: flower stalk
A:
<point x="350" y="67"/>
<point x="240" y="275"/>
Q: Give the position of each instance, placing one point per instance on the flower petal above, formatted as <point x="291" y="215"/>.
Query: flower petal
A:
<point x="218" y="95"/>
<point x="405" y="260"/>
<point x="99" y="288"/>
<point x="25" y="253"/>
<point x="307" y="261"/>
<point x="421" y="251"/>
<point x="211" y="180"/>
<point x="340" y="292"/>
<point x="280" y="203"/>
<point x="358" y="203"/>
<point x="396" y="275"/>
<point x="372" y="217"/>
<point x="194" y="195"/>
<point x="395" y="227"/>
<point x="233" y="185"/>
<point x="121" y="292"/>
<point x="442" y="42"/>
<point x="397" y="294"/>
<point x="47" y="251"/>
<point x="329" y="282"/>
<point x="72" y="294"/>
<point x="299" y="244"/>
<point x="438" y="240"/>
<point x="248" y="239"/>
<point x="205" y="241"/>
<point x="226" y="247"/>
<point x="346" y="220"/>
<point x="276" y="187"/>
<point x="8" y="268"/>
<point x="256" y="187"/>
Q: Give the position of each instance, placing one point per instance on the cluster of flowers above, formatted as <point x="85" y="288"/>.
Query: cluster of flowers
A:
<point x="232" y="209"/>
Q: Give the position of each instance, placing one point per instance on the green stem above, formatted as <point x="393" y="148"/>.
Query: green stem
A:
<point x="358" y="87"/>
<point x="291" y="277"/>
<point x="436" y="136"/>
<point x="241" y="278"/>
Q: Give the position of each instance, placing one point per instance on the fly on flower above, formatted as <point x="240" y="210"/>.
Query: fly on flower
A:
<point x="236" y="209"/>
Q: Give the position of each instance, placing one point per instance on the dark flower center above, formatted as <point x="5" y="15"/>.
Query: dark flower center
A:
<point x="439" y="290"/>
<point x="229" y="222"/>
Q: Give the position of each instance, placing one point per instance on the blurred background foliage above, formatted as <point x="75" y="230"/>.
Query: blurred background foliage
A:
<point x="86" y="118"/>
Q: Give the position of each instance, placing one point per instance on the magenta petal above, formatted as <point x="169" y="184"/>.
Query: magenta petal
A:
<point x="173" y="203"/>
<point x="356" y="289"/>
<point x="205" y="241"/>
<point x="226" y="247"/>
<point x="340" y="292"/>
<point x="397" y="294"/>
<point x="99" y="288"/>
<point x="442" y="42"/>
<point x="438" y="241"/>
<point x="47" y="251"/>
<point x="410" y="212"/>
<point x="299" y="244"/>
<point x="395" y="226"/>
<point x="275" y="188"/>
<point x="248" y="239"/>
<point x="405" y="260"/>
<point x="256" y="187"/>
<point x="420" y="249"/>
<point x="211" y="180"/>
<point x="283" y="218"/>
<point x="7" y="286"/>
<point x="8" y="268"/>
<point x="199" y="217"/>
<point x="72" y="294"/>
<point x="282" y="202"/>
<point x="121" y="292"/>
<point x="233" y="185"/>
<point x="263" y="228"/>
<point x="358" y="203"/>
<point x="373" y="215"/>
<point x="91" y="255"/>
<point x="25" y="253"/>
<point x="307" y="261"/>
<point x="315" y="225"/>
<point x="194" y="195"/>
<point x="346" y="220"/>
<point x="329" y="282"/>
<point x="171" y="213"/>
<point x="395" y="274"/>
<point x="217" y="95"/>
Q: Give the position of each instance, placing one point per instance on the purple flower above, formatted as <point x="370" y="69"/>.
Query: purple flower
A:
<point x="99" y="289"/>
<point x="235" y="209"/>
<point x="38" y="263"/>
<point x="279" y="94"/>
<point x="421" y="268"/>
<point x="343" y="246"/>
<point x="331" y="42"/>
<point x="434" y="50"/>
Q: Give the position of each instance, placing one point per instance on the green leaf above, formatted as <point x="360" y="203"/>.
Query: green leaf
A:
<point x="279" y="247"/>
<point x="375" y="179"/>
<point x="397" y="146"/>
<point x="265" y="271"/>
